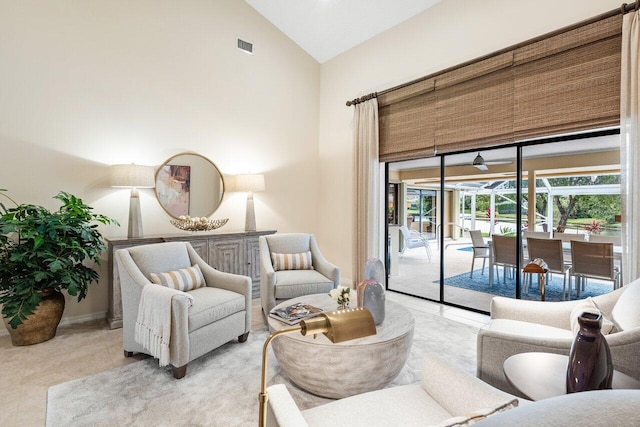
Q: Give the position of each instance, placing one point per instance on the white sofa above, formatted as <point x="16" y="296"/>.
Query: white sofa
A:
<point x="446" y="396"/>
<point x="520" y="326"/>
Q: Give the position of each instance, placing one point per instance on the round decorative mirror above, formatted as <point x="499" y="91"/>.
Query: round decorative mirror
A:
<point x="189" y="184"/>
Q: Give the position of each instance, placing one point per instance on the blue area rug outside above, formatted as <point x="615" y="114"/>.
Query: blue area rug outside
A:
<point x="553" y="287"/>
<point x="466" y="249"/>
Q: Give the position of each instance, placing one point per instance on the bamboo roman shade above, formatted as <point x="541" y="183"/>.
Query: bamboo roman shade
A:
<point x="474" y="105"/>
<point x="407" y="123"/>
<point x="564" y="82"/>
<point x="569" y="82"/>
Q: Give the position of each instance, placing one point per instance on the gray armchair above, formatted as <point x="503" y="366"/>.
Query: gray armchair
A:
<point x="287" y="284"/>
<point x="221" y="310"/>
<point x="519" y="326"/>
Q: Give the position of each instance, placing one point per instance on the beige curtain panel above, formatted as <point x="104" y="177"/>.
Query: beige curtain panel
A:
<point x="367" y="185"/>
<point x="563" y="82"/>
<point x="630" y="146"/>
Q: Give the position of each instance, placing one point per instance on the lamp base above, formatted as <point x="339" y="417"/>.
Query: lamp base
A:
<point x="250" y="219"/>
<point x="135" y="216"/>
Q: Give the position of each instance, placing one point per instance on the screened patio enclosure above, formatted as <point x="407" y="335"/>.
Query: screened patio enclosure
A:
<point x="568" y="187"/>
<point x="500" y="197"/>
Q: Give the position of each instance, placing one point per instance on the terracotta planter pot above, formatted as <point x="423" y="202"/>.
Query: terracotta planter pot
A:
<point x="42" y="324"/>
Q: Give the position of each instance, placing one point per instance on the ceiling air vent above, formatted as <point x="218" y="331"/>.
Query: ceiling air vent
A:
<point x="245" y="46"/>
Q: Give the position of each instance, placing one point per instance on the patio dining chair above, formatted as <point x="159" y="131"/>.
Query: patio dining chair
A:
<point x="568" y="237"/>
<point x="593" y="260"/>
<point x="480" y="249"/>
<point x="504" y="254"/>
<point x="550" y="250"/>
<point x="537" y="234"/>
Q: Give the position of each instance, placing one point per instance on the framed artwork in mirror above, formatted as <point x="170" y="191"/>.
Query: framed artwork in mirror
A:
<point x="173" y="185"/>
<point x="189" y="184"/>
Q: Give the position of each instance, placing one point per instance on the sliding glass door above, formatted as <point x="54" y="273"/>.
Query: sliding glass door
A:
<point x="421" y="210"/>
<point x="414" y="253"/>
<point x="458" y="238"/>
<point x="480" y="196"/>
<point x="573" y="194"/>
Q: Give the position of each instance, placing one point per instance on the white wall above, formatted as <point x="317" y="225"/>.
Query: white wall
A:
<point x="87" y="84"/>
<point x="451" y="32"/>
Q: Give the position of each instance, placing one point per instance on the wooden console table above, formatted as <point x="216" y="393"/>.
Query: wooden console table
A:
<point x="231" y="252"/>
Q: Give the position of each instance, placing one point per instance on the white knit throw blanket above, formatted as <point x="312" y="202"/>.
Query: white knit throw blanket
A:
<point x="153" y="327"/>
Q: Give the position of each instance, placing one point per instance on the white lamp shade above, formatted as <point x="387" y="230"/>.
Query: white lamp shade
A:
<point x="248" y="182"/>
<point x="132" y="176"/>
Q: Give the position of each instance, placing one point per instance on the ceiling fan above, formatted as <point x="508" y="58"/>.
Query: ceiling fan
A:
<point x="480" y="164"/>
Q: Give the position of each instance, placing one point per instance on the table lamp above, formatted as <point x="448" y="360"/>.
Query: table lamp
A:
<point x="338" y="326"/>
<point x="134" y="177"/>
<point x="250" y="182"/>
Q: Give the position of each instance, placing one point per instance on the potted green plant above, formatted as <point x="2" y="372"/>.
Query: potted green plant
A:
<point x="43" y="252"/>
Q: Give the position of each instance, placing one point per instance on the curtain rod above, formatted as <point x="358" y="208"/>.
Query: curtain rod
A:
<point x="625" y="8"/>
<point x="362" y="99"/>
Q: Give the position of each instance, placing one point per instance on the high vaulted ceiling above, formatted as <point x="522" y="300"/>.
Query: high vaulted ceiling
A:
<point x="326" y="28"/>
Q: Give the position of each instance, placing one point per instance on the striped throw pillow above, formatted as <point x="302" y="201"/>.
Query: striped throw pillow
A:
<point x="184" y="279"/>
<point x="301" y="261"/>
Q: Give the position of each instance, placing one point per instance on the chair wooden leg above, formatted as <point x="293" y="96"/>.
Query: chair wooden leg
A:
<point x="243" y="337"/>
<point x="180" y="372"/>
<point x="128" y="353"/>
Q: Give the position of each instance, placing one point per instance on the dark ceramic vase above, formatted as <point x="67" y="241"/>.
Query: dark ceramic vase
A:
<point x="590" y="366"/>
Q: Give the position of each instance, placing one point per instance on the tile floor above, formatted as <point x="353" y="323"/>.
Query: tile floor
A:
<point x="85" y="349"/>
<point x="417" y="275"/>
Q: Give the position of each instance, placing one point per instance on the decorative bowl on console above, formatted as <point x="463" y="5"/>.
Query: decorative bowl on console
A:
<point x="188" y="223"/>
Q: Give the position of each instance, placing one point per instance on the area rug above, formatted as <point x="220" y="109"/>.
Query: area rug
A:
<point x="553" y="287"/>
<point x="221" y="388"/>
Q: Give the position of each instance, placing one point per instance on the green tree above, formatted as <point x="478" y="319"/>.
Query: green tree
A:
<point x="603" y="207"/>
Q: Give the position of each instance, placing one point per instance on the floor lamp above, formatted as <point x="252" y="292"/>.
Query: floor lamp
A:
<point x="338" y="326"/>
<point x="250" y="182"/>
<point x="134" y="177"/>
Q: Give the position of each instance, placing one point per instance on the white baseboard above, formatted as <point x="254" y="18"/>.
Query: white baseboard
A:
<point x="71" y="320"/>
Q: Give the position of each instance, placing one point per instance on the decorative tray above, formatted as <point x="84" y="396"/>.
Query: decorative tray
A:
<point x="198" y="224"/>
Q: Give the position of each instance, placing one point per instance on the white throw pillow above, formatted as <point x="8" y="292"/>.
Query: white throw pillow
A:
<point x="625" y="313"/>
<point x="588" y="305"/>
